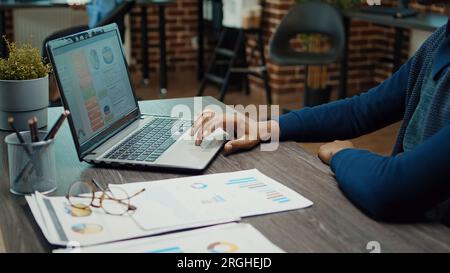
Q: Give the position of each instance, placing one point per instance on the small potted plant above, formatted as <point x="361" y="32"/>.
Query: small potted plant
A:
<point x="24" y="86"/>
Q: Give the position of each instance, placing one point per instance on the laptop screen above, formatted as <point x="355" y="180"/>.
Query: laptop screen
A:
<point x="94" y="79"/>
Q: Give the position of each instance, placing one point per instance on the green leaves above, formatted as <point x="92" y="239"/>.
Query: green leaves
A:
<point x="23" y="63"/>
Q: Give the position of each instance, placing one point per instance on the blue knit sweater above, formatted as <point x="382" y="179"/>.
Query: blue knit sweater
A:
<point x="405" y="185"/>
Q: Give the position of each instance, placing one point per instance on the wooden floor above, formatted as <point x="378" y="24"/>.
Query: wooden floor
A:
<point x="184" y="84"/>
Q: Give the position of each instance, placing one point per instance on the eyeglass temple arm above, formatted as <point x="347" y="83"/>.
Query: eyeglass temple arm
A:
<point x="137" y="193"/>
<point x="95" y="182"/>
<point x="89" y="197"/>
<point x="102" y="189"/>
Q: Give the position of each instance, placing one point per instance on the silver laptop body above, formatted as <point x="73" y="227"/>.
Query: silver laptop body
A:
<point x="106" y="123"/>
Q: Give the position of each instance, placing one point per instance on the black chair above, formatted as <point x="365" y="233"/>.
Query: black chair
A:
<point x="308" y="18"/>
<point x="118" y="16"/>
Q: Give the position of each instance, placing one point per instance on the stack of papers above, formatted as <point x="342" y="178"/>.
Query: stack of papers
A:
<point x="63" y="225"/>
<point x="228" y="238"/>
<point x="166" y="206"/>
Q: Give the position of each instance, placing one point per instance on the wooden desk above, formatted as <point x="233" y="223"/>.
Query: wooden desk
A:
<point x="425" y="21"/>
<point x="333" y="224"/>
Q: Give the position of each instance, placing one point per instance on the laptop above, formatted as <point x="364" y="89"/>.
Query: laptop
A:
<point x="106" y="123"/>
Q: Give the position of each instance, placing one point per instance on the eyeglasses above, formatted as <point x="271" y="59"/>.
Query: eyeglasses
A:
<point x="113" y="200"/>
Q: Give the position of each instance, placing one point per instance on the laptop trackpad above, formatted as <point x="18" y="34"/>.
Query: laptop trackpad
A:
<point x="185" y="153"/>
<point x="214" y="139"/>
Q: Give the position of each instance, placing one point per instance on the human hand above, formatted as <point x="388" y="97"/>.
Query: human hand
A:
<point x="328" y="150"/>
<point x="246" y="133"/>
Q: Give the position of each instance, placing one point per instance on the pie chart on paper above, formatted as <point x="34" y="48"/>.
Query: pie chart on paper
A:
<point x="78" y="212"/>
<point x="87" y="229"/>
<point x="222" y="247"/>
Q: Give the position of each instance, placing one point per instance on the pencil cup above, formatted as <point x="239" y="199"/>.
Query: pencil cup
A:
<point x="32" y="165"/>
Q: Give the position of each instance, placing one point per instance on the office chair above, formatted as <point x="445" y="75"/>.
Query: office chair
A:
<point x="117" y="16"/>
<point x="308" y="18"/>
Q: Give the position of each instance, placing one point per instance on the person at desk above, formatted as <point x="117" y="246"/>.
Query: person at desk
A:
<point x="97" y="10"/>
<point x="413" y="183"/>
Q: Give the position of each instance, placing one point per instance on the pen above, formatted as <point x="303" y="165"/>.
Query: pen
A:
<point x="52" y="133"/>
<point x="35" y="127"/>
<point x="32" y="123"/>
<point x="19" y="136"/>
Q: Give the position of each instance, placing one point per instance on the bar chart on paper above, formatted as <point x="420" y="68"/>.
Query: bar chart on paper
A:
<point x="214" y="247"/>
<point x="170" y="205"/>
<point x="224" y="195"/>
<point x="228" y="238"/>
<point x="251" y="193"/>
<point x="251" y="183"/>
<point x="174" y="249"/>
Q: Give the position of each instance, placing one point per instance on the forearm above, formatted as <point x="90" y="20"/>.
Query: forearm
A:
<point x="344" y="119"/>
<point x="349" y="118"/>
<point x="396" y="188"/>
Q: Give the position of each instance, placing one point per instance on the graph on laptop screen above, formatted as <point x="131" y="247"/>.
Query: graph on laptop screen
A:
<point x="95" y="83"/>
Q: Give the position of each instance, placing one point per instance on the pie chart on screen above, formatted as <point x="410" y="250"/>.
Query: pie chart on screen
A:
<point x="106" y="110"/>
<point x="108" y="55"/>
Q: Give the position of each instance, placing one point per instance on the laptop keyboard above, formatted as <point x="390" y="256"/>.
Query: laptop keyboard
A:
<point x="151" y="141"/>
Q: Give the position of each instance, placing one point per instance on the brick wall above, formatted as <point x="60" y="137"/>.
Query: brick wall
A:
<point x="370" y="48"/>
<point x="181" y="32"/>
<point x="8" y="25"/>
<point x="370" y="56"/>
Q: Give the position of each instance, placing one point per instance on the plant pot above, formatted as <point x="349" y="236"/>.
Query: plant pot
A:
<point x="314" y="97"/>
<point x="22" y="100"/>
